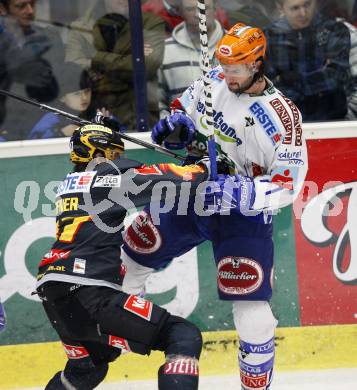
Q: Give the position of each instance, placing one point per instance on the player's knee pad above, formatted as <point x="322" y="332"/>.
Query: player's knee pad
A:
<point x="179" y="373"/>
<point x="82" y="374"/>
<point x="135" y="276"/>
<point x="255" y="324"/>
<point x="254" y="320"/>
<point x="181" y="338"/>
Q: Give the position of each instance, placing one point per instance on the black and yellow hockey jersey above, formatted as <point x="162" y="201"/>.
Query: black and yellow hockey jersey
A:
<point x="91" y="207"/>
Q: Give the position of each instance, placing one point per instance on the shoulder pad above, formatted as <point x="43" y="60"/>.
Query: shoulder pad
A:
<point x="121" y="164"/>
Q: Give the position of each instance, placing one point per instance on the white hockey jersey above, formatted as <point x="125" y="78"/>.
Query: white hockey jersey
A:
<point x="260" y="134"/>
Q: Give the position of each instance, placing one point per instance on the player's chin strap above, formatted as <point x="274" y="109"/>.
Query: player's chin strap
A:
<point x="205" y="67"/>
<point x="106" y="122"/>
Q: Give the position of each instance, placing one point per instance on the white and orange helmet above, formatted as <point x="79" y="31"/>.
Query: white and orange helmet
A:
<point x="242" y="44"/>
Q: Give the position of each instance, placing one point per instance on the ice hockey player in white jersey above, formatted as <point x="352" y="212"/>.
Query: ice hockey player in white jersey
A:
<point x="258" y="134"/>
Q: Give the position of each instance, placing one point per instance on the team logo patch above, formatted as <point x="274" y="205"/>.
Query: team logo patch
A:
<point x="182" y="367"/>
<point x="142" y="235"/>
<point x="75" y="351"/>
<point x="118" y="342"/>
<point x="225" y="50"/>
<point x="239" y="275"/>
<point x="139" y="306"/>
<point x="76" y="182"/>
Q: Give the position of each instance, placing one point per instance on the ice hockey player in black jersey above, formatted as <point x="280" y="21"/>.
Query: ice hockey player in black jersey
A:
<point x="79" y="280"/>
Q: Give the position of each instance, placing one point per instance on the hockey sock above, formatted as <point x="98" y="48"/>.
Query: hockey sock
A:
<point x="256" y="362"/>
<point x="179" y="373"/>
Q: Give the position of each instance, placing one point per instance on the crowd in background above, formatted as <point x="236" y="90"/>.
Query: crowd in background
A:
<point x="76" y="55"/>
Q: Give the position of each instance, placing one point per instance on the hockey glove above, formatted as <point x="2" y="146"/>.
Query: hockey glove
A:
<point x="2" y="317"/>
<point x="223" y="165"/>
<point x="230" y="192"/>
<point x="176" y="131"/>
<point x="109" y="121"/>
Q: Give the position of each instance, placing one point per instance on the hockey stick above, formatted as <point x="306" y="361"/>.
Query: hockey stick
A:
<point x="81" y="121"/>
<point x="205" y="67"/>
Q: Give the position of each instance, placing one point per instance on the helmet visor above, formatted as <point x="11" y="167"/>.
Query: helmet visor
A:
<point x="238" y="70"/>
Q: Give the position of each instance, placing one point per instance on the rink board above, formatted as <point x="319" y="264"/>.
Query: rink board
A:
<point x="315" y="279"/>
<point x="307" y="348"/>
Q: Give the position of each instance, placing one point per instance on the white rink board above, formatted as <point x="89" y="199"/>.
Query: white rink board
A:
<point x="337" y="379"/>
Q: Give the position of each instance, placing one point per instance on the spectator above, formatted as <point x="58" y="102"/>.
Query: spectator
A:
<point x="101" y="42"/>
<point x="30" y="54"/>
<point x="308" y="60"/>
<point x="352" y="85"/>
<point x="181" y="63"/>
<point x="75" y="98"/>
<point x="338" y="9"/>
<point x="169" y="10"/>
<point x="260" y="13"/>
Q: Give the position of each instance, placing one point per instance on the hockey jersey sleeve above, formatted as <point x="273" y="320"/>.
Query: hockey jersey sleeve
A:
<point x="189" y="99"/>
<point x="288" y="169"/>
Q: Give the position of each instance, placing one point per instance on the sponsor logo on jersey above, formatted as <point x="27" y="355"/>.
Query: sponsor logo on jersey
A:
<point x="75" y="351"/>
<point x="118" y="342"/>
<point x="107" y="181"/>
<point x="285" y="119"/>
<point x="284" y="177"/>
<point x="79" y="266"/>
<point x="219" y="123"/>
<point x="142" y="235"/>
<point x="148" y="170"/>
<point x="182" y="367"/>
<point x="54" y="255"/>
<point x="139" y="306"/>
<point x="76" y="182"/>
<point x="58" y="268"/>
<point x="296" y="118"/>
<point x="271" y="129"/>
<point x="291" y="157"/>
<point x="239" y="275"/>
